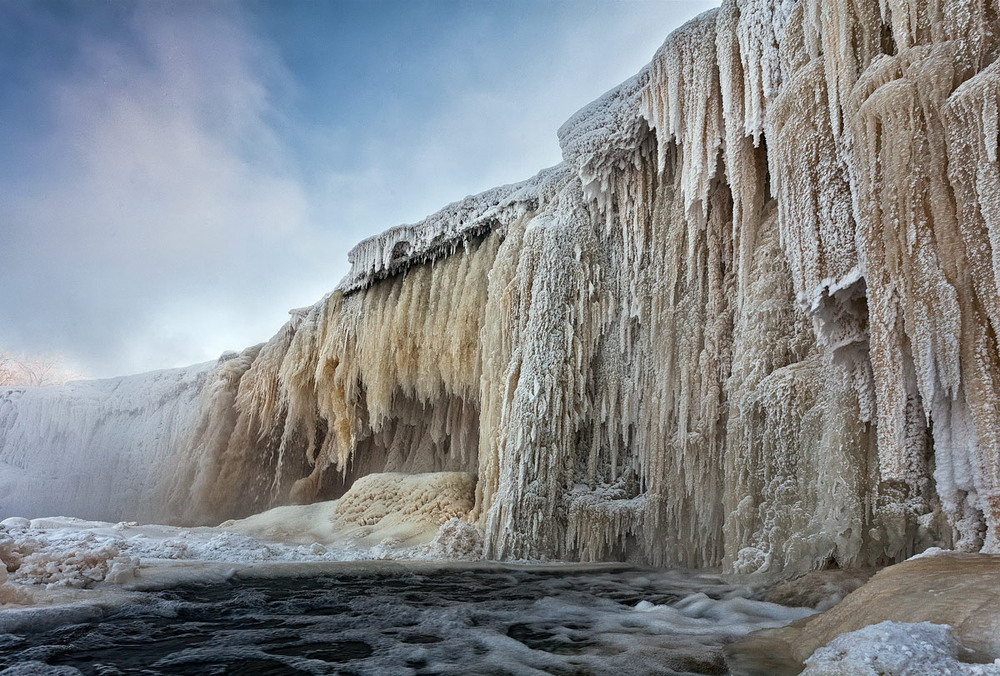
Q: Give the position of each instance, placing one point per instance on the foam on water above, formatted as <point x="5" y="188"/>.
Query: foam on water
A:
<point x="373" y="618"/>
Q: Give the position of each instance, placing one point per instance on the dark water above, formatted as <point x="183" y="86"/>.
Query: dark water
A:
<point x="476" y="621"/>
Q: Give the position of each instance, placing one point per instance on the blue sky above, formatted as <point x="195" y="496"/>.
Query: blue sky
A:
<point x="175" y="176"/>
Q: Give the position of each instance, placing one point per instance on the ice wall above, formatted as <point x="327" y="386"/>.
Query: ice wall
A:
<point x="751" y="320"/>
<point x="95" y="449"/>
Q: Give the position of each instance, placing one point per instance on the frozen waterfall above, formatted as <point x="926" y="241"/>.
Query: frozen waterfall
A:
<point x="751" y="320"/>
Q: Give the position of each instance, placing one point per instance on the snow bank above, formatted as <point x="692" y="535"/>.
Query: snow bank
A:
<point x="896" y="649"/>
<point x="75" y="567"/>
<point x="404" y="508"/>
<point x="394" y="511"/>
<point x="300" y="524"/>
<point x="383" y="516"/>
<point x="59" y="552"/>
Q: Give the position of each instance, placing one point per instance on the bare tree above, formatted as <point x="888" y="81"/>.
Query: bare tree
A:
<point x="33" y="370"/>
<point x="7" y="371"/>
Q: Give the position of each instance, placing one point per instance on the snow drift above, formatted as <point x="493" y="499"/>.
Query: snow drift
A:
<point x="751" y="320"/>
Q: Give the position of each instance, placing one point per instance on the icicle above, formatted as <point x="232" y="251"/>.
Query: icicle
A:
<point x="971" y="118"/>
<point x="683" y="104"/>
<point x="809" y="180"/>
<point x="914" y="315"/>
<point x="848" y="36"/>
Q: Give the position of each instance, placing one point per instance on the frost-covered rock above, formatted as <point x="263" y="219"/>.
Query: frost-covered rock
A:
<point x="899" y="612"/>
<point x="457" y="540"/>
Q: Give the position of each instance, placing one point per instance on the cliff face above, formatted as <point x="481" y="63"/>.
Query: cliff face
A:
<point x="751" y="320"/>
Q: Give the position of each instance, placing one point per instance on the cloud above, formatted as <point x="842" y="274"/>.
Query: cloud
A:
<point x="160" y="196"/>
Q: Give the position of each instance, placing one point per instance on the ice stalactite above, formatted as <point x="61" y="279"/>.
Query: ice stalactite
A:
<point x="382" y="375"/>
<point x="797" y="451"/>
<point x="759" y="30"/>
<point x="547" y="313"/>
<point x="847" y="35"/>
<point x="745" y="157"/>
<point x="685" y="348"/>
<point x="667" y="333"/>
<point x="683" y="104"/>
<point x="969" y="24"/>
<point x="914" y="318"/>
<point x="719" y="332"/>
<point x="968" y="472"/>
<point x="400" y="248"/>
<point x="810" y="182"/>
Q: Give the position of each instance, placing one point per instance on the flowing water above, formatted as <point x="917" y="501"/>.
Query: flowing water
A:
<point x="471" y="620"/>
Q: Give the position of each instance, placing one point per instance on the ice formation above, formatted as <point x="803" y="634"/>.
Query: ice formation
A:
<point x="432" y="498"/>
<point x="383" y="516"/>
<point x="457" y="539"/>
<point x="751" y="320"/>
<point x="95" y="449"/>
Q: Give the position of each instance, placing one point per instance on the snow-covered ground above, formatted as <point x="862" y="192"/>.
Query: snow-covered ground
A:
<point x="383" y="516"/>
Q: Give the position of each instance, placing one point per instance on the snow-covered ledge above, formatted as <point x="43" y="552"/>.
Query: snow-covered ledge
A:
<point x="440" y="234"/>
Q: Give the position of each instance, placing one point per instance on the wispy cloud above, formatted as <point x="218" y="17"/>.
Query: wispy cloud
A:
<point x="160" y="191"/>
